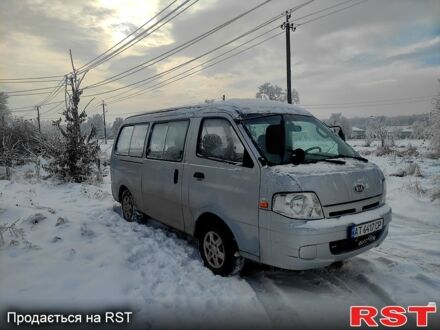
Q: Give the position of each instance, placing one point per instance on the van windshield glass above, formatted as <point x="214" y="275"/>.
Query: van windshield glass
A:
<point x="278" y="137"/>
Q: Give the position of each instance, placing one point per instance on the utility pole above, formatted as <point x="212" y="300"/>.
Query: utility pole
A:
<point x="288" y="26"/>
<point x="38" y="118"/>
<point x="105" y="127"/>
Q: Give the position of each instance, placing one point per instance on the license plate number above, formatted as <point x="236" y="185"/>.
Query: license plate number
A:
<point x="365" y="228"/>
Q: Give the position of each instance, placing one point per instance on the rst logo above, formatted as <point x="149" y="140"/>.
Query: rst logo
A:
<point x="390" y="316"/>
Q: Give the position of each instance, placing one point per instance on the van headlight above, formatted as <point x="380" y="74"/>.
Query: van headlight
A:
<point x="304" y="206"/>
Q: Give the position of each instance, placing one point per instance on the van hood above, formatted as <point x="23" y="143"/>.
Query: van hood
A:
<point x="333" y="183"/>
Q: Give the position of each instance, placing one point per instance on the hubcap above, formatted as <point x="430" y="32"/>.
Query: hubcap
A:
<point x="214" y="249"/>
<point x="127" y="207"/>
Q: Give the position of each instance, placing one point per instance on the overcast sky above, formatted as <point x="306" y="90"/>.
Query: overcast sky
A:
<point x="377" y="50"/>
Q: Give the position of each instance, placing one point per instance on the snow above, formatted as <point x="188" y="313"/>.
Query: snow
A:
<point x="93" y="260"/>
<point x="246" y="106"/>
<point x="234" y="107"/>
<point x="323" y="168"/>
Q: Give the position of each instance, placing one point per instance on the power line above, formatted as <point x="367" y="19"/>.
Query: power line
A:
<point x="56" y="107"/>
<point x="331" y="13"/>
<point x="170" y="81"/>
<point x="323" y="9"/>
<point x="128" y="36"/>
<point x="5" y="81"/>
<point x="139" y="38"/>
<point x="31" y="107"/>
<point x="231" y="56"/>
<point x="303" y="23"/>
<point x="36" y="79"/>
<point x="177" y="48"/>
<point x="370" y="101"/>
<point x="30" y="90"/>
<point x="183" y="64"/>
<point x="206" y="62"/>
<point x="368" y="105"/>
<point x="414" y="101"/>
<point x="28" y="78"/>
<point x="41" y="93"/>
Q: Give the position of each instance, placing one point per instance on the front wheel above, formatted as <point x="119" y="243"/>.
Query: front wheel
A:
<point x="219" y="251"/>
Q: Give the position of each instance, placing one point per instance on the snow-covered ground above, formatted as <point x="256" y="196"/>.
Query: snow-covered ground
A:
<point x="71" y="249"/>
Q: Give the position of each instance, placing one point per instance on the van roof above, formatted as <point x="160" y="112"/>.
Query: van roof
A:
<point x="237" y="108"/>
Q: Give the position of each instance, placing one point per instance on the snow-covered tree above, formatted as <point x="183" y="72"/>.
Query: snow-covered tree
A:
<point x="116" y="125"/>
<point x="376" y="129"/>
<point x="97" y="121"/>
<point x="268" y="91"/>
<point x="4" y="111"/>
<point x="435" y="125"/>
<point x="339" y="120"/>
<point x="420" y="129"/>
<point x="77" y="160"/>
<point x="295" y="96"/>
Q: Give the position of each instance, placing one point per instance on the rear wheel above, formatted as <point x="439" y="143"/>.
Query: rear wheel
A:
<point x="127" y="205"/>
<point x="219" y="251"/>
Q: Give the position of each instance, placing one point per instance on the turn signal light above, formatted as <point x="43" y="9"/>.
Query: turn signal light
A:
<point x="263" y="204"/>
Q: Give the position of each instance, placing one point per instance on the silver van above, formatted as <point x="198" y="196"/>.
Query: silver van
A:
<point x="252" y="179"/>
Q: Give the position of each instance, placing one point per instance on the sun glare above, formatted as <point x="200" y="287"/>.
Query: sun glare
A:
<point x="129" y="15"/>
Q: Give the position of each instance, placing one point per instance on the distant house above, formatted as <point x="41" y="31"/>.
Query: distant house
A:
<point x="357" y="133"/>
<point x="400" y="132"/>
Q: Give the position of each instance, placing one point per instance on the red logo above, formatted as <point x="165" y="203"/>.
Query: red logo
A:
<point x="390" y="316"/>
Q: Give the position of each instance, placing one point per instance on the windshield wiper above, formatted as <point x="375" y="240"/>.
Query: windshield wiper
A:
<point x="362" y="159"/>
<point x="333" y="161"/>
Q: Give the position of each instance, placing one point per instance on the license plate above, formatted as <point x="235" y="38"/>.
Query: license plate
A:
<point x="365" y="228"/>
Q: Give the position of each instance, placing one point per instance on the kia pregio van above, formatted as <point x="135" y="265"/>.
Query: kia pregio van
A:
<point x="251" y="179"/>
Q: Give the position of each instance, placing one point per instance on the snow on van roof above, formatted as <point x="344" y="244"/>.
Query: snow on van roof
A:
<point x="235" y="107"/>
<point x="247" y="106"/>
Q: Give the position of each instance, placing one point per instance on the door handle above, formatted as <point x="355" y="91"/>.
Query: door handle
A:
<point x="176" y="176"/>
<point x="199" y="175"/>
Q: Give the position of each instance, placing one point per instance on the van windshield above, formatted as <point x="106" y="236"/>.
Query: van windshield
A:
<point x="278" y="137"/>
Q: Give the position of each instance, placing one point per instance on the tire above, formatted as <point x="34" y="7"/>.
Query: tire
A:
<point x="127" y="205"/>
<point x="219" y="251"/>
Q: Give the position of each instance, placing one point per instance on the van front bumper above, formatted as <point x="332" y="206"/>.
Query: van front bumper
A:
<point x="298" y="245"/>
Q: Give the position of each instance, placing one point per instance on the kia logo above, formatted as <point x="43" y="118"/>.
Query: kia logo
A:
<point x="359" y="187"/>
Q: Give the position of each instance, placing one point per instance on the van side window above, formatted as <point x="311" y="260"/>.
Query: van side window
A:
<point x="167" y="141"/>
<point x="138" y="140"/>
<point x="123" y="145"/>
<point x="218" y="141"/>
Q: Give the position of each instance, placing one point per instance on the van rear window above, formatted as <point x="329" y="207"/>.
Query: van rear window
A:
<point x="123" y="145"/>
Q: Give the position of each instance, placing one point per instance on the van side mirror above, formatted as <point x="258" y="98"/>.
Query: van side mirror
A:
<point x="339" y="131"/>
<point x="275" y="139"/>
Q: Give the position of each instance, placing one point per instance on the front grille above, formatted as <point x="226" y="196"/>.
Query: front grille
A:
<point x="336" y="210"/>
<point x="348" y="245"/>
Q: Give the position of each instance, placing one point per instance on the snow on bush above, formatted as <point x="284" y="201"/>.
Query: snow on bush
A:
<point x="411" y="169"/>
<point x="435" y="128"/>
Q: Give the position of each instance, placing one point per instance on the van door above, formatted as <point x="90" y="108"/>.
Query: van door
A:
<point x="162" y="172"/>
<point x="224" y="180"/>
